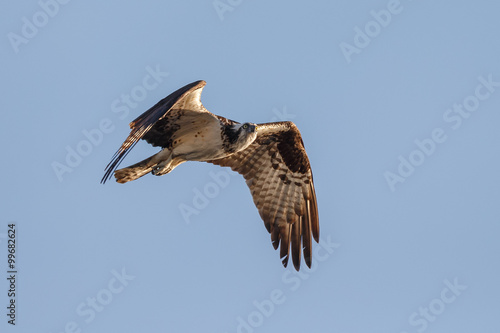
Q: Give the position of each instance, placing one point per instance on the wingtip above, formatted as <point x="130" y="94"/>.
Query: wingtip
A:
<point x="316" y="236"/>
<point x="106" y="177"/>
<point x="308" y="261"/>
<point x="284" y="261"/>
<point x="197" y="84"/>
<point x="296" y="266"/>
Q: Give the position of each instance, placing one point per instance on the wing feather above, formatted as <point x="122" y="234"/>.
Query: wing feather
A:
<point x="314" y="214"/>
<point x="296" y="242"/>
<point x="273" y="192"/>
<point x="285" y="234"/>
<point x="277" y="171"/>
<point x="281" y="223"/>
<point x="272" y="187"/>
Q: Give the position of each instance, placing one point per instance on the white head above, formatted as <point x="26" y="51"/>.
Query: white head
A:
<point x="242" y="135"/>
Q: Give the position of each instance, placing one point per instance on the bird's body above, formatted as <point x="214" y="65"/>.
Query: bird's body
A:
<point x="271" y="157"/>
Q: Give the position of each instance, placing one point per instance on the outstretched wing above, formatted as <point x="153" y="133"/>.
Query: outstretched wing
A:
<point x="278" y="173"/>
<point x="156" y="125"/>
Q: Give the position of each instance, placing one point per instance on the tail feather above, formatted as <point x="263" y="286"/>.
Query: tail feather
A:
<point x="135" y="171"/>
<point x="159" y="164"/>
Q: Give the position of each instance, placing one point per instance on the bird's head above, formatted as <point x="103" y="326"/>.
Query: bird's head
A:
<point x="245" y="135"/>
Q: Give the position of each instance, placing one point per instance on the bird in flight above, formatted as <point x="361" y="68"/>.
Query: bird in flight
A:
<point x="271" y="157"/>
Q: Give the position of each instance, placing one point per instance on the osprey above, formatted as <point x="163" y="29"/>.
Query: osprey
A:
<point x="271" y="157"/>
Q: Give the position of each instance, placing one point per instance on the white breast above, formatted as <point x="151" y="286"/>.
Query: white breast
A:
<point x="199" y="141"/>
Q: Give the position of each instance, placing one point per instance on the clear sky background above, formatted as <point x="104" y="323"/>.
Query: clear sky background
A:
<point x="398" y="105"/>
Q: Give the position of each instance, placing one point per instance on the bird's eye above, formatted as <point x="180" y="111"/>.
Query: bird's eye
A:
<point x="245" y="126"/>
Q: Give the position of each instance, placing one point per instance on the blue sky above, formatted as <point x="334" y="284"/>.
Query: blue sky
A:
<point x="397" y="103"/>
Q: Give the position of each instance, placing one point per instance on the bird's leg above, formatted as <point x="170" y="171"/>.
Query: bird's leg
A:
<point x="166" y="166"/>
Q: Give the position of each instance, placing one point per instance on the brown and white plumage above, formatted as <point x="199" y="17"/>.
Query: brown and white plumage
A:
<point x="277" y="171"/>
<point x="271" y="157"/>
